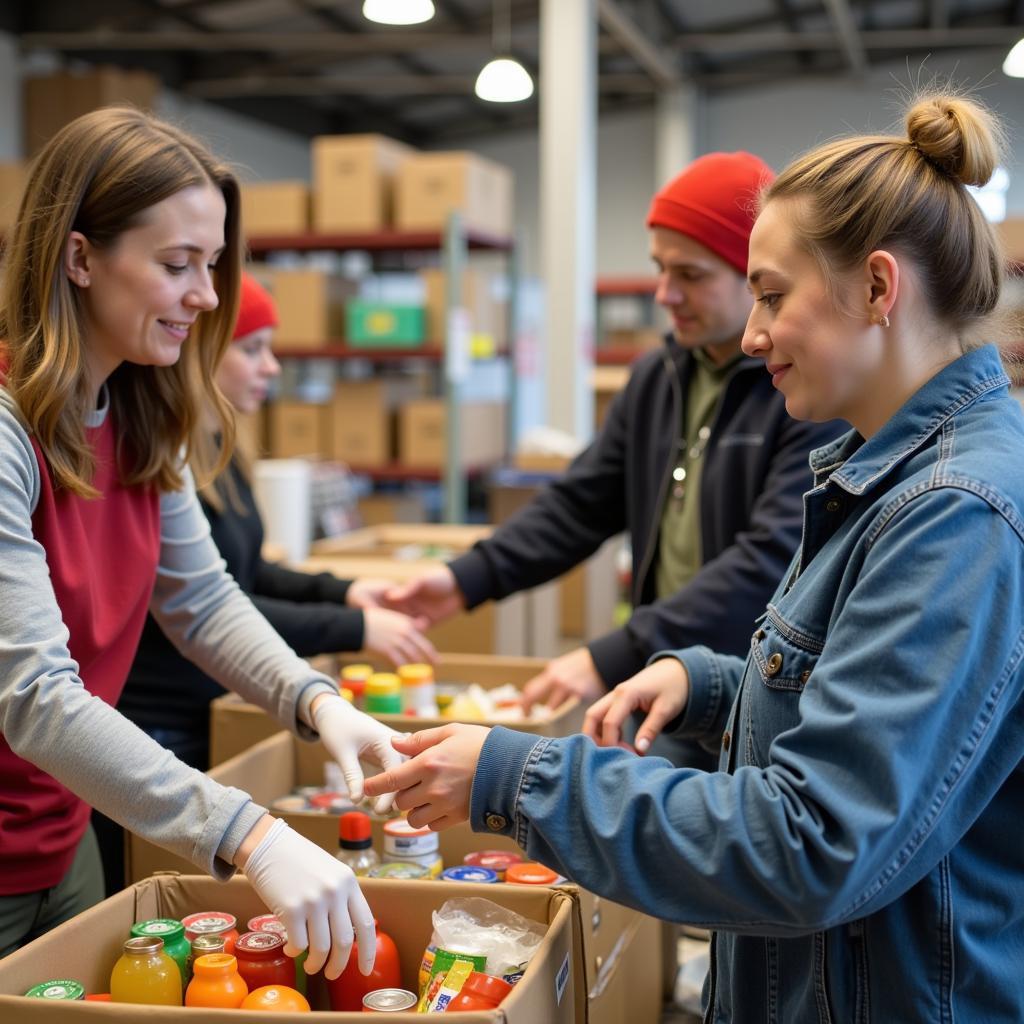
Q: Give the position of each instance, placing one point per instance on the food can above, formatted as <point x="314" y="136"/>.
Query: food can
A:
<point x="469" y="873"/>
<point x="58" y="988"/>
<point x="389" y="1000"/>
<point x="398" y="869"/>
<point x="497" y="860"/>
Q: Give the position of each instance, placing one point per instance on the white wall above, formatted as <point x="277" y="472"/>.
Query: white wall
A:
<point x="776" y="123"/>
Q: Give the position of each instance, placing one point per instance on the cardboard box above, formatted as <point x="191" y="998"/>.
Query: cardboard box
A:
<point x="640" y="338"/>
<point x="553" y="988"/>
<point x="52" y="101"/>
<point x="12" y="184"/>
<point x="310" y="308"/>
<point x="421" y="434"/>
<point x="353" y="178"/>
<point x="1011" y="234"/>
<point x="297" y="429"/>
<point x="430" y="186"/>
<point x="400" y="507"/>
<point x="236" y="726"/>
<point x="522" y="624"/>
<point x="383" y="325"/>
<point x="362" y="423"/>
<point x="618" y="949"/>
<point x="275" y="208"/>
<point x="487" y="316"/>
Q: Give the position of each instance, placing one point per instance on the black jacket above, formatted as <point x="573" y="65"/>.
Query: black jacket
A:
<point x="754" y="475"/>
<point x="166" y="691"/>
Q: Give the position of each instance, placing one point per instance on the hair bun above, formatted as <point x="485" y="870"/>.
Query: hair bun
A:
<point x="957" y="136"/>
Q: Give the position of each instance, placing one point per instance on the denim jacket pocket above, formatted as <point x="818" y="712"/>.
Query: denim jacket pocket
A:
<point x="781" y="664"/>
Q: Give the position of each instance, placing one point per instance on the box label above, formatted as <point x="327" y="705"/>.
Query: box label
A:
<point x="561" y="978"/>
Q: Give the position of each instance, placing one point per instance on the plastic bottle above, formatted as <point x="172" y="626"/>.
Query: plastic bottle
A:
<point x="355" y="844"/>
<point x="480" y="992"/>
<point x="383" y="694"/>
<point x="145" y="974"/>
<point x="176" y="946"/>
<point x="216" y="983"/>
<point x="419" y="696"/>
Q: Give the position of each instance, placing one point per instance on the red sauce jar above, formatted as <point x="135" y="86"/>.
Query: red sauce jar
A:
<point x="480" y="992"/>
<point x="212" y="922"/>
<point x="261" y="960"/>
<point x="347" y="990"/>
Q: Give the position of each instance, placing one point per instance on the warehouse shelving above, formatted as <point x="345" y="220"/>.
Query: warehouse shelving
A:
<point x="454" y="244"/>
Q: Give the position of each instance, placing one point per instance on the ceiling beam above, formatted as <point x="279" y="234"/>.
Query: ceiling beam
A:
<point x="660" y="66"/>
<point x="842" y="17"/>
<point x="875" y="39"/>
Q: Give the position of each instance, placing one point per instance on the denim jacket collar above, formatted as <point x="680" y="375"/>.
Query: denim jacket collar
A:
<point x="856" y="464"/>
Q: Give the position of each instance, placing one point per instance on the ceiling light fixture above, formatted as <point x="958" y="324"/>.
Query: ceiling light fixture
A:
<point x="398" y="12"/>
<point x="1014" y="63"/>
<point x="503" y="79"/>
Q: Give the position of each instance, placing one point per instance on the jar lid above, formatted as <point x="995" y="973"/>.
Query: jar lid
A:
<point x="354" y="826"/>
<point x="143" y="945"/>
<point x="267" y="923"/>
<point x="352" y="673"/>
<point x="58" y="988"/>
<point x="487" y="985"/>
<point x="383" y="684"/>
<point x="167" y="928"/>
<point x="209" y="922"/>
<point x="401" y="827"/>
<point x="416" y="673"/>
<point x="259" y="944"/>
<point x="530" y="873"/>
<point x="496" y="860"/>
<point x="203" y="944"/>
<point x="469" y="873"/>
<point x="398" y="869"/>
<point x="214" y="963"/>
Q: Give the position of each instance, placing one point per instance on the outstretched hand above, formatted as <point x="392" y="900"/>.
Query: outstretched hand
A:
<point x="434" y="596"/>
<point x="435" y="784"/>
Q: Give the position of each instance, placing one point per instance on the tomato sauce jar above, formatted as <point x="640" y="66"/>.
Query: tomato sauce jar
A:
<point x="261" y="960"/>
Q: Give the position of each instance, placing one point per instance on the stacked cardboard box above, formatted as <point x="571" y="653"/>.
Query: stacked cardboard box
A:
<point x="422" y="426"/>
<point x="310" y="308"/>
<point x="275" y="208"/>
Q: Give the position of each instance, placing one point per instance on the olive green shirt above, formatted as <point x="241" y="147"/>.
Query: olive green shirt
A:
<point x="679" y="540"/>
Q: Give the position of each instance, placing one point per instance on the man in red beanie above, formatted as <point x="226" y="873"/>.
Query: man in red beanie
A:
<point x="697" y="459"/>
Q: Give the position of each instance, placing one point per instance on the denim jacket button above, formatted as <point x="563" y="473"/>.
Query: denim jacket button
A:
<point x="726" y="740"/>
<point x="759" y="635"/>
<point x="496" y="822"/>
<point x="774" y="664"/>
<point x="805" y="675"/>
<point x="832" y="505"/>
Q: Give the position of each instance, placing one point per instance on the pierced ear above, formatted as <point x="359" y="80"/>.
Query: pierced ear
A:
<point x="883" y="274"/>
<point x="77" y="259"/>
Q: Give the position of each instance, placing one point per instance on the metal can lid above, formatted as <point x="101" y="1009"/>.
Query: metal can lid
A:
<point x="469" y="873"/>
<point x="401" y="827"/>
<point x="267" y="923"/>
<point x="166" y="927"/>
<point x="398" y="869"/>
<point x="389" y="1000"/>
<point x="259" y="943"/>
<point x="207" y="921"/>
<point x="143" y="945"/>
<point x="203" y="944"/>
<point x="58" y="988"/>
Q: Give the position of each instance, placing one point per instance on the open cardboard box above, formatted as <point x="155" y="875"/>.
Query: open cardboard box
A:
<point x="236" y="725"/>
<point x="86" y="948"/>
<point x="522" y="624"/>
<point x="619" y="949"/>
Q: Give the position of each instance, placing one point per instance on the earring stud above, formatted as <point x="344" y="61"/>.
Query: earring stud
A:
<point x="882" y="321"/>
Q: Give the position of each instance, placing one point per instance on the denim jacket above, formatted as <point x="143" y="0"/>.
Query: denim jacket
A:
<point x="859" y="852"/>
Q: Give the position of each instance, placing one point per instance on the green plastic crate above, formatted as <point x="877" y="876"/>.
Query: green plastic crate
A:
<point x="383" y="325"/>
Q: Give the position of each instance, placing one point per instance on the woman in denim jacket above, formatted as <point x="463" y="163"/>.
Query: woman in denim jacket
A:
<point x="858" y="852"/>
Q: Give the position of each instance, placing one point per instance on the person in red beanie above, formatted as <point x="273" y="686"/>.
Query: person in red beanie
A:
<point x="169" y="697"/>
<point x="697" y="460"/>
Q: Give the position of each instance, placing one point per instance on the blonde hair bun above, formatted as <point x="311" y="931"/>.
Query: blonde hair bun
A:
<point x="957" y="136"/>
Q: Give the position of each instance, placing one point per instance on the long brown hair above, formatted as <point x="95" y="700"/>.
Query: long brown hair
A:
<point x="98" y="176"/>
<point x="884" y="192"/>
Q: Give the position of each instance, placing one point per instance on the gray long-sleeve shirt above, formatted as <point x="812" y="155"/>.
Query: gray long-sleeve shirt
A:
<point x="49" y="718"/>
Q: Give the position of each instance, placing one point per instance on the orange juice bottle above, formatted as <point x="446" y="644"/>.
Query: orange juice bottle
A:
<point x="145" y="974"/>
<point x="216" y="983"/>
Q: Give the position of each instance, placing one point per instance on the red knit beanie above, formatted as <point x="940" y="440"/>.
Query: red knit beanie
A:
<point x="255" y="310"/>
<point x="714" y="201"/>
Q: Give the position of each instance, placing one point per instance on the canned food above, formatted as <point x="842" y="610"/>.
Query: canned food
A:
<point x="469" y="873"/>
<point x="496" y="860"/>
<point x="401" y="837"/>
<point x="398" y="869"/>
<point x="389" y="1000"/>
<point x="58" y="988"/>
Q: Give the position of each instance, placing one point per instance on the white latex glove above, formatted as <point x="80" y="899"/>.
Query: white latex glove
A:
<point x="316" y="897"/>
<point x="349" y="734"/>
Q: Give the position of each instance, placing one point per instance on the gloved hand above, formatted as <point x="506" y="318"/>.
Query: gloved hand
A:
<point x="316" y="897"/>
<point x="348" y="734"/>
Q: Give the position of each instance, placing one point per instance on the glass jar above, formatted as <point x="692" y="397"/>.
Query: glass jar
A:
<point x="145" y="974"/>
<point x="346" y="992"/>
<point x="176" y="946"/>
<point x="212" y="922"/>
<point x="261" y="960"/>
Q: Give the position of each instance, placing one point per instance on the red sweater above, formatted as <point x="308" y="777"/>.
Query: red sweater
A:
<point x="102" y="555"/>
